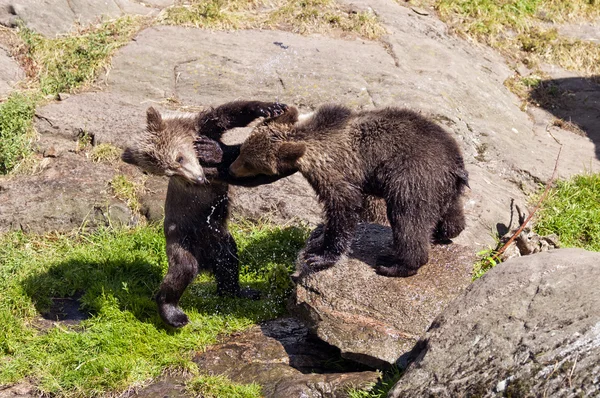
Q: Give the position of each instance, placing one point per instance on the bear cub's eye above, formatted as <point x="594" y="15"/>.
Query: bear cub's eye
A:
<point x="179" y="159"/>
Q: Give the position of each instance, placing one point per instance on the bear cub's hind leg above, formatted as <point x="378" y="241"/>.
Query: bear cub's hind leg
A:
<point x="411" y="230"/>
<point x="183" y="268"/>
<point x="226" y="268"/>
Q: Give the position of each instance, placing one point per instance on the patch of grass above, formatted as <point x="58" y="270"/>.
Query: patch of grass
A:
<point x="572" y="211"/>
<point x="16" y="130"/>
<point x="381" y="388"/>
<point x="126" y="190"/>
<point x="320" y="16"/>
<point x="64" y="64"/>
<point x="220" y="387"/>
<point x="304" y="17"/>
<point x="213" y="14"/>
<point x="117" y="271"/>
<point x="516" y="27"/>
<point x="105" y="153"/>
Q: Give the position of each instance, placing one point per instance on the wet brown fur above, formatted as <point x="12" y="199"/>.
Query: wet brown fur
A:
<point x="197" y="203"/>
<point x="392" y="153"/>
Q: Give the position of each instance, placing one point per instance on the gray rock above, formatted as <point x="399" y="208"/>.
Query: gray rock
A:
<point x="281" y="356"/>
<point x="421" y="67"/>
<point x="21" y="390"/>
<point x="373" y="319"/>
<point x="69" y="193"/>
<point x="530" y="327"/>
<point x="54" y="17"/>
<point x="10" y="73"/>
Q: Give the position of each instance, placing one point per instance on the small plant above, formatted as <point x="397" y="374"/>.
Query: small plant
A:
<point x="487" y="260"/>
<point x="16" y="130"/>
<point x="105" y="153"/>
<point x="127" y="191"/>
<point x="220" y="386"/>
<point x="381" y="388"/>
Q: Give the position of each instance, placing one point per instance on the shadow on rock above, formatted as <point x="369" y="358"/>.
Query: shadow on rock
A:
<point x="575" y="100"/>
<point x="286" y="361"/>
<point x="373" y="319"/>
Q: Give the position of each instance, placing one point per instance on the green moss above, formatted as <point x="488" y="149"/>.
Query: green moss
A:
<point x="126" y="190"/>
<point x="16" y="130"/>
<point x="105" y="153"/>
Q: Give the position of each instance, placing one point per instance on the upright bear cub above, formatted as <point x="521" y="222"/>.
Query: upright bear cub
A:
<point x="197" y="204"/>
<point x="396" y="154"/>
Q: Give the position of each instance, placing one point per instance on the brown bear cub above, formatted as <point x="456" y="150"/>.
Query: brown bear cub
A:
<point x="197" y="203"/>
<point x="396" y="154"/>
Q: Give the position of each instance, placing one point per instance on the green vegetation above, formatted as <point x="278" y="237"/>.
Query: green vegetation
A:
<point x="519" y="29"/>
<point x="381" y="388"/>
<point x="486" y="261"/>
<point x="123" y="343"/>
<point x="66" y="63"/>
<point x="126" y="190"/>
<point x="572" y="211"/>
<point x="305" y="17"/>
<point x="16" y="130"/>
<point x="220" y="387"/>
<point x="105" y="153"/>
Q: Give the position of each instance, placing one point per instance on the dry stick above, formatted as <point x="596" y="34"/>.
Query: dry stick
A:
<point x="537" y="206"/>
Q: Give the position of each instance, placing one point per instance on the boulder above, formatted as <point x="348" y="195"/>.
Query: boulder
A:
<point x="55" y="17"/>
<point x="373" y="319"/>
<point x="530" y="327"/>
<point x="286" y="361"/>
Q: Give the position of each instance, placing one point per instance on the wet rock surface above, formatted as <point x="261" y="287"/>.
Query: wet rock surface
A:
<point x="286" y="361"/>
<point x="530" y="327"/>
<point x="373" y="319"/>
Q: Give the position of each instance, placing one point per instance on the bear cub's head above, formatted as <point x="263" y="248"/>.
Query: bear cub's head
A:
<point x="167" y="147"/>
<point x="269" y="149"/>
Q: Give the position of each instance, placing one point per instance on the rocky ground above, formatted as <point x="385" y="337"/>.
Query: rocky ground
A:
<point x="417" y="64"/>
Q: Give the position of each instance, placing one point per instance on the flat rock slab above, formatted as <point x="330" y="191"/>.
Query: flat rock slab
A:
<point x="375" y="319"/>
<point x="421" y="67"/>
<point x="282" y="357"/>
<point x="54" y="17"/>
<point x="10" y="73"/>
<point x="530" y="327"/>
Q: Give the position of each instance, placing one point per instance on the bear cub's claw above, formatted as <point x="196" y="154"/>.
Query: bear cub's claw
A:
<point x="273" y="110"/>
<point x="388" y="266"/>
<point x="173" y="315"/>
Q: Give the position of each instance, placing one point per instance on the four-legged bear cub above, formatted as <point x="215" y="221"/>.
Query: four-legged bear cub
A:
<point x="197" y="204"/>
<point x="396" y="154"/>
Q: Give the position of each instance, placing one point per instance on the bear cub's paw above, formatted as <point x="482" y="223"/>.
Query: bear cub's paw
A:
<point x="320" y="261"/>
<point x="388" y="266"/>
<point x="173" y="315"/>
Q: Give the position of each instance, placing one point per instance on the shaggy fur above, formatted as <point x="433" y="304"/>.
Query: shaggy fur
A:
<point x="197" y="204"/>
<point x="392" y="153"/>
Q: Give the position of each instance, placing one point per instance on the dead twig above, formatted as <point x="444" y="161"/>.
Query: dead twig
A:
<point x="537" y="206"/>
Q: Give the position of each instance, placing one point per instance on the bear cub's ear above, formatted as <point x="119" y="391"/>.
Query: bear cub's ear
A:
<point x="290" y="152"/>
<point x="154" y="120"/>
<point x="128" y="156"/>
